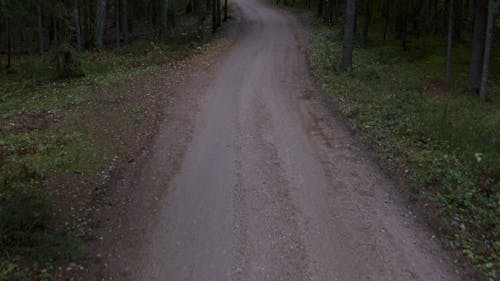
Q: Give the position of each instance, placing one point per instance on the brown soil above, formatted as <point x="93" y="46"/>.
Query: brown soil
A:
<point x="437" y="87"/>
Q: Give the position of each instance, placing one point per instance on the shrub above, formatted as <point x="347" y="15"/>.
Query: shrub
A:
<point x="67" y="62"/>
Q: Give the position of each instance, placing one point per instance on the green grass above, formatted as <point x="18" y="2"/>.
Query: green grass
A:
<point x="445" y="144"/>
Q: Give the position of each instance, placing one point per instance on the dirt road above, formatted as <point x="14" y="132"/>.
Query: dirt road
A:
<point x="271" y="186"/>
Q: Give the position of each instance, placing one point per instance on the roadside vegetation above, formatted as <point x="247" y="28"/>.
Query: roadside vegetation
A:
<point x="437" y="136"/>
<point x="74" y="108"/>
<point x="59" y="141"/>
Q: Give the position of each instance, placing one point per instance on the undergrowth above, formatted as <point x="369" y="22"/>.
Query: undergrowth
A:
<point x="445" y="143"/>
<point x="55" y="148"/>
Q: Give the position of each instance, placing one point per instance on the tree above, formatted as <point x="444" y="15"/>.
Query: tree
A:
<point x="41" y="39"/>
<point x="9" y="45"/>
<point x="124" y="20"/>
<point x="76" y="25"/>
<point x="214" y="15"/>
<point x="450" y="39"/>
<point x="219" y="18"/>
<point x="320" y="8"/>
<point x="117" y="23"/>
<point x="487" y="48"/>
<point x="386" y="15"/>
<point x="404" y="25"/>
<point x="350" y="17"/>
<point x="367" y="19"/>
<point x="480" y="15"/>
<point x="458" y="18"/>
<point x="165" y="21"/>
<point x="100" y="22"/>
<point x="39" y="25"/>
<point x="200" y="15"/>
<point x="225" y="10"/>
<point x="330" y="16"/>
<point x="13" y="13"/>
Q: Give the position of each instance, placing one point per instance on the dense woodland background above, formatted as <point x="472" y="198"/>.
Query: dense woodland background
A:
<point x="37" y="26"/>
<point x="30" y="26"/>
<point x="459" y="20"/>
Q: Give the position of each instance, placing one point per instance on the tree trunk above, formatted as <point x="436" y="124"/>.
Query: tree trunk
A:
<point x="435" y="19"/>
<point x="404" y="26"/>
<point x="331" y="9"/>
<point x="124" y="20"/>
<point x="41" y="47"/>
<point x="219" y="18"/>
<point x="386" y="17"/>
<point x="76" y="23"/>
<point x="416" y="16"/>
<point x="214" y="15"/>
<point x="320" y="8"/>
<point x="165" y="19"/>
<point x="225" y="10"/>
<point x="156" y="10"/>
<point x="458" y="18"/>
<point x="367" y="20"/>
<point x="480" y="15"/>
<point x="450" y="41"/>
<point x="199" y="14"/>
<point x="87" y="24"/>
<point x="55" y="36"/>
<point x="117" y="22"/>
<point x="171" y="15"/>
<point x="356" y="22"/>
<point x="9" y="44"/>
<point x="487" y="49"/>
<point x="350" y="17"/>
<point x="100" y="22"/>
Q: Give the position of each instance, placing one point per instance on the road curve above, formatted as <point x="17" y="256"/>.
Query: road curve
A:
<point x="272" y="187"/>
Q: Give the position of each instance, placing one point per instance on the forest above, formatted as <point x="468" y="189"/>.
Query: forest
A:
<point x="418" y="80"/>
